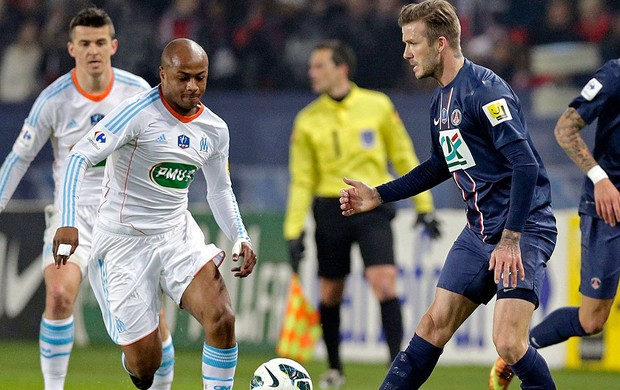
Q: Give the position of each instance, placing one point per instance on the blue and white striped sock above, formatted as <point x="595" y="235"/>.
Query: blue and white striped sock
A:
<point x="55" y="345"/>
<point x="218" y="367"/>
<point x="165" y="373"/>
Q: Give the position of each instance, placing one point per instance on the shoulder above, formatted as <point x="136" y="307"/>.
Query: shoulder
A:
<point x="138" y="107"/>
<point x="372" y="97"/>
<point x="59" y="86"/>
<point x="129" y="79"/>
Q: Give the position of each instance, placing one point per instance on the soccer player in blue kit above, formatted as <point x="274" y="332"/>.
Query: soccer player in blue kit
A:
<point x="480" y="139"/>
<point x="599" y="210"/>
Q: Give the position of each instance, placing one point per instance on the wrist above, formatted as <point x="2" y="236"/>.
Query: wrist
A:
<point x="377" y="196"/>
<point x="596" y="174"/>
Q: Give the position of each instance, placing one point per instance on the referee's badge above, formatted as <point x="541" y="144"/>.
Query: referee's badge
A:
<point x="368" y="138"/>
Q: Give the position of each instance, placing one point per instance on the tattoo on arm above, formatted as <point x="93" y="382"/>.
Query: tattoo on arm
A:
<point x="567" y="134"/>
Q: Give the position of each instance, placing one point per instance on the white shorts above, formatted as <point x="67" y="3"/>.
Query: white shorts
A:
<point x="128" y="272"/>
<point x="85" y="217"/>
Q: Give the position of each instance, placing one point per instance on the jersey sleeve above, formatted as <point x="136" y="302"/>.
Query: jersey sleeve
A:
<point x="499" y="113"/>
<point x="220" y="195"/>
<point x="304" y="176"/>
<point x="402" y="154"/>
<point x="603" y="87"/>
<point x="115" y="130"/>
<point x="34" y="134"/>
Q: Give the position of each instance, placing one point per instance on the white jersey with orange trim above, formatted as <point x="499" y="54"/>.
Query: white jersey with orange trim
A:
<point x="63" y="113"/>
<point x="152" y="156"/>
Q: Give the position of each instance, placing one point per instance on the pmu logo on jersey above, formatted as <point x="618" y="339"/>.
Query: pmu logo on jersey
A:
<point x="95" y="118"/>
<point x="497" y="111"/>
<point x="173" y="175"/>
<point x="183" y="141"/>
<point x="455" y="150"/>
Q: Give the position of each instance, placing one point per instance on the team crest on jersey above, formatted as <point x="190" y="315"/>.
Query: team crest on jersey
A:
<point x="456" y="117"/>
<point x="591" y="89"/>
<point x="173" y="175"/>
<point x="497" y="111"/>
<point x="455" y="150"/>
<point x="95" y="118"/>
<point x="595" y="283"/>
<point x="26" y="138"/>
<point x="204" y="144"/>
<point x="368" y="138"/>
<point x="183" y="141"/>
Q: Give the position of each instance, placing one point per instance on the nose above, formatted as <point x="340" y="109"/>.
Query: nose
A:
<point x="192" y="84"/>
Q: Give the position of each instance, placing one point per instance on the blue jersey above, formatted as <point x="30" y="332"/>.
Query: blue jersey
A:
<point x="600" y="98"/>
<point x="472" y="118"/>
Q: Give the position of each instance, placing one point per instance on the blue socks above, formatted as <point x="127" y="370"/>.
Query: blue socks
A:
<point x="413" y="366"/>
<point x="557" y="327"/>
<point x="533" y="371"/>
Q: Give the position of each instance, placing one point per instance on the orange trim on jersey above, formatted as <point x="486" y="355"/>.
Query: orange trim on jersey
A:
<point x="182" y="118"/>
<point x="90" y="96"/>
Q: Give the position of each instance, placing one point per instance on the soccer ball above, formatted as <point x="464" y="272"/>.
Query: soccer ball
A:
<point x="281" y="374"/>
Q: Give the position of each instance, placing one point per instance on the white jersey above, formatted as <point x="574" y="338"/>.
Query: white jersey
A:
<point x="152" y="156"/>
<point x="64" y="113"/>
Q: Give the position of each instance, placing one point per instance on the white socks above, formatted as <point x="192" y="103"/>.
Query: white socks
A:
<point x="55" y="345"/>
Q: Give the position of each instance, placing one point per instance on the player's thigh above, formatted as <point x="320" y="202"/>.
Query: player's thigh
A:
<point x="466" y="269"/>
<point x="511" y="319"/>
<point x="206" y="298"/>
<point x="124" y="273"/>
<point x="334" y="235"/>
<point x="600" y="262"/>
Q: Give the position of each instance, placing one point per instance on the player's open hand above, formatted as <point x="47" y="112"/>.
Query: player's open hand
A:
<point x="64" y="244"/>
<point x="607" y="199"/>
<point x="506" y="260"/>
<point x="358" y="199"/>
<point x="242" y="250"/>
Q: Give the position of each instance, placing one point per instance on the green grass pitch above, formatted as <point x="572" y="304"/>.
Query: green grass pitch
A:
<point x="98" y="367"/>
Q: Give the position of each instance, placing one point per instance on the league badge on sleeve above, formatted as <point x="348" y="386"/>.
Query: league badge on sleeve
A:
<point x="591" y="89"/>
<point x="497" y="111"/>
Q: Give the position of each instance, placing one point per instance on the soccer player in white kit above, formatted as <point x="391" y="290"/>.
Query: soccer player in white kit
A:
<point x="63" y="113"/>
<point x="144" y="237"/>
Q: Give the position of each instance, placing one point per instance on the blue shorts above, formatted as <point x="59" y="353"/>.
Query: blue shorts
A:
<point x="466" y="270"/>
<point x="600" y="259"/>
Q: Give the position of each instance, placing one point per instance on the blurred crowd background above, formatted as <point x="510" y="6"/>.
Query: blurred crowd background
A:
<point x="264" y="44"/>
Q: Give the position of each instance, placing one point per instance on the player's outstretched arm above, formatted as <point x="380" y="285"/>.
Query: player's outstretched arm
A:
<point x="358" y="199"/>
<point x="64" y="244"/>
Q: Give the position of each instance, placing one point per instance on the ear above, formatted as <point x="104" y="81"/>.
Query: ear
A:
<point x="114" y="46"/>
<point x="442" y="44"/>
<point x="162" y="74"/>
<point x="70" y="49"/>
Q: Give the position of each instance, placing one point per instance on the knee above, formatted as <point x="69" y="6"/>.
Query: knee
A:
<point x="222" y="325"/>
<point x="510" y="349"/>
<point x="59" y="300"/>
<point x="593" y="325"/>
<point x="434" y="330"/>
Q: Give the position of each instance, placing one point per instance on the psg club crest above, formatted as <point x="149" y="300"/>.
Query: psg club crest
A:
<point x="183" y="141"/>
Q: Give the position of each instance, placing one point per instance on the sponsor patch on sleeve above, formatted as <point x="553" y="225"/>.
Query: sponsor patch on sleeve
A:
<point x="591" y="89"/>
<point x="26" y="138"/>
<point x="497" y="111"/>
